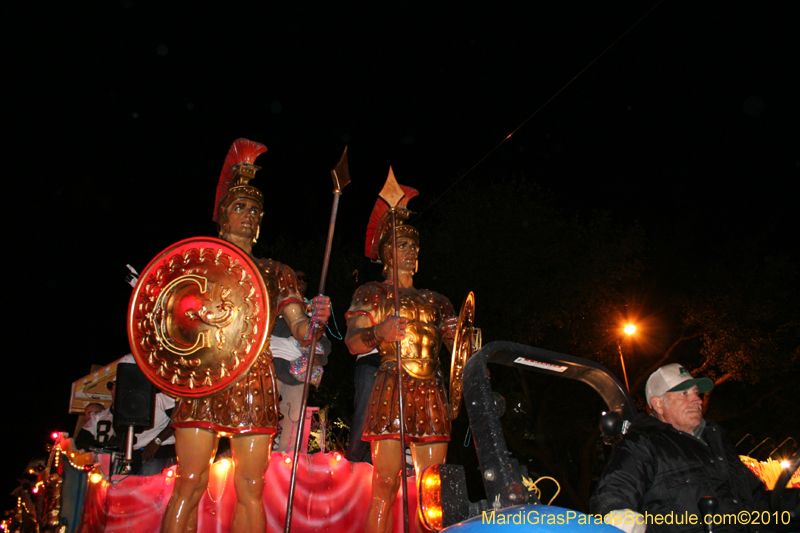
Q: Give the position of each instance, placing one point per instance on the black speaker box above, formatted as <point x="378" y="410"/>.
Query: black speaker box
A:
<point x="135" y="400"/>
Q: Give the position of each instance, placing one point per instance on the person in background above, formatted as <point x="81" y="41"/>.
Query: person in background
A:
<point x="98" y="428"/>
<point x="154" y="449"/>
<point x="367" y="365"/>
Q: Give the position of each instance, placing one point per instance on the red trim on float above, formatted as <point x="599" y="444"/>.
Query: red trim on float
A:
<point x="220" y="429"/>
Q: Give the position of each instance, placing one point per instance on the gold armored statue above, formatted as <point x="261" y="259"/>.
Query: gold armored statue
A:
<point x="425" y="320"/>
<point x="214" y="290"/>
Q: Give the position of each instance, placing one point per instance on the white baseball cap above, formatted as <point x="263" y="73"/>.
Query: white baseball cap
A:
<point x="673" y="378"/>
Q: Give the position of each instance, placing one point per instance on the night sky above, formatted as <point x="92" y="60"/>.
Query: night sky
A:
<point x="118" y="116"/>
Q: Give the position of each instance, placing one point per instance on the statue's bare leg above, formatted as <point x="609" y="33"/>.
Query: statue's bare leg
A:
<point x="424" y="455"/>
<point x="291" y="398"/>
<point x="251" y="459"/>
<point x="195" y="448"/>
<point x="387" y="459"/>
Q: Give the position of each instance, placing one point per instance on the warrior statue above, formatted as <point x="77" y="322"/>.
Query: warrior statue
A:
<point x="423" y="321"/>
<point x="247" y="411"/>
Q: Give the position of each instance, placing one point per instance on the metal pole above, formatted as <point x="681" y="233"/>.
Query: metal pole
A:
<point x="341" y="177"/>
<point x="624" y="372"/>
<point x="398" y="353"/>
<point x="311" y="358"/>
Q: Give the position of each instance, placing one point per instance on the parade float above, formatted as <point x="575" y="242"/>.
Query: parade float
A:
<point x="79" y="492"/>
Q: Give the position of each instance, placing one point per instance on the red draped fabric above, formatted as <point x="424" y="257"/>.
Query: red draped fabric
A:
<point x="330" y="495"/>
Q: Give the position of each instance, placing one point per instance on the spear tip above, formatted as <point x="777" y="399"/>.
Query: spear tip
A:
<point x="391" y="192"/>
<point x="341" y="173"/>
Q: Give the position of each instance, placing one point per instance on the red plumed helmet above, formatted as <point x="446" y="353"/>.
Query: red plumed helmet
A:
<point x="236" y="174"/>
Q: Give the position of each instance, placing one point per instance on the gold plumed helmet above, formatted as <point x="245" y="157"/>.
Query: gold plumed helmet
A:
<point x="234" y="180"/>
<point x="379" y="229"/>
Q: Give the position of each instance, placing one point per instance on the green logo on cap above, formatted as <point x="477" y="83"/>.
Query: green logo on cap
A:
<point x="684" y="371"/>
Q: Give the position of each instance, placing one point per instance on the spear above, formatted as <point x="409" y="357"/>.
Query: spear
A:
<point x="392" y="194"/>
<point x="341" y="177"/>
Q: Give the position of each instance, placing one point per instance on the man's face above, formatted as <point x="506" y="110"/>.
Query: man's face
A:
<point x="302" y="282"/>
<point x="683" y="410"/>
<point x="89" y="411"/>
<point x="407" y="253"/>
<point x="243" y="217"/>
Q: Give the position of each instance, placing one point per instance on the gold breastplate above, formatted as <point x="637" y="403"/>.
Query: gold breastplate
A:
<point x="420" y="348"/>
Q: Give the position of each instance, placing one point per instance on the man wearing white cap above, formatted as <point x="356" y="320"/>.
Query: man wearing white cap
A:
<point x="674" y="396"/>
<point x="671" y="459"/>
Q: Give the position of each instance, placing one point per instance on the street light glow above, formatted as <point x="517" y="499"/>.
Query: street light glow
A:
<point x="630" y="329"/>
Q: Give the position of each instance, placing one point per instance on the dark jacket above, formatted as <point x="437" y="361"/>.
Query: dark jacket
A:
<point x="659" y="470"/>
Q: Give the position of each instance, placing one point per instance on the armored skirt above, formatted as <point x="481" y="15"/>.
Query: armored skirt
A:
<point x="426" y="408"/>
<point x="251" y="404"/>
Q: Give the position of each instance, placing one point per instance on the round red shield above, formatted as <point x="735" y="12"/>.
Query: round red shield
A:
<point x="198" y="317"/>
